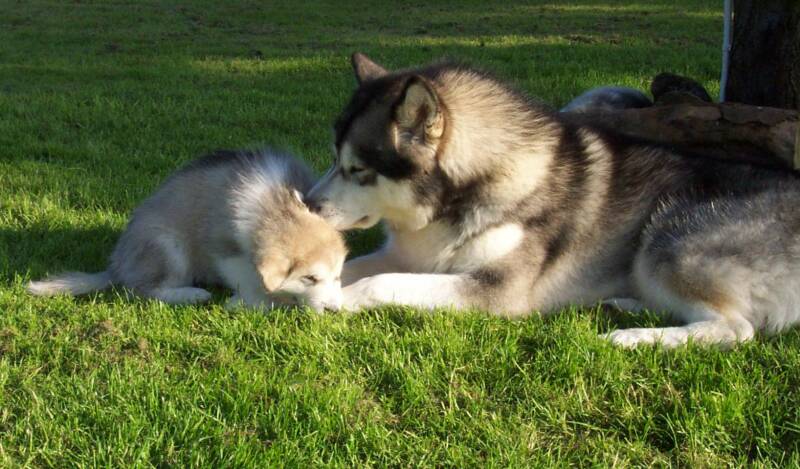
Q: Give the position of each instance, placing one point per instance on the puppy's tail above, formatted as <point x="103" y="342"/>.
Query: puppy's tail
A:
<point x="72" y="283"/>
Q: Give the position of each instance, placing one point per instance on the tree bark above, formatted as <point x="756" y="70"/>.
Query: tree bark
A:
<point x="765" y="53"/>
<point x="759" y="135"/>
<point x="797" y="149"/>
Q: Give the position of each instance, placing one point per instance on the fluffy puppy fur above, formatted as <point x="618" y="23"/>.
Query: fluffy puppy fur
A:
<point x="235" y="219"/>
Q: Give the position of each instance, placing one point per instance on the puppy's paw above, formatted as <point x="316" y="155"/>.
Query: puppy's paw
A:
<point x="180" y="295"/>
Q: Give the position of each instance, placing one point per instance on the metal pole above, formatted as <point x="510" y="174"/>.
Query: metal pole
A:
<point x="726" y="48"/>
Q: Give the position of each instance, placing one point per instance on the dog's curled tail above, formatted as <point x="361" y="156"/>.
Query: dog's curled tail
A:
<point x="72" y="283"/>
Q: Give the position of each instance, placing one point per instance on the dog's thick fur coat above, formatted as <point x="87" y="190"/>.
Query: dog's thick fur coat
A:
<point x="491" y="201"/>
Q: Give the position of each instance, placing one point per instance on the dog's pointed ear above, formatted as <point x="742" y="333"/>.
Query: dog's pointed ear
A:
<point x="365" y="68"/>
<point x="274" y="270"/>
<point x="419" y="110"/>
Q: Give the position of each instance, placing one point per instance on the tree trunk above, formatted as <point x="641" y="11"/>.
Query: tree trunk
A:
<point x="797" y="149"/>
<point x="765" y="53"/>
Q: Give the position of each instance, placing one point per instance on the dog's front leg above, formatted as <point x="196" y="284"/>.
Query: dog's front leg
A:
<point x="378" y="262"/>
<point x="426" y="291"/>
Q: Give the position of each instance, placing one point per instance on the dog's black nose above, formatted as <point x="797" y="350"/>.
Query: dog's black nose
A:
<point x="314" y="205"/>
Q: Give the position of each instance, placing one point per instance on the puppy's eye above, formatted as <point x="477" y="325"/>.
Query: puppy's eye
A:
<point x="356" y="170"/>
<point x="310" y="280"/>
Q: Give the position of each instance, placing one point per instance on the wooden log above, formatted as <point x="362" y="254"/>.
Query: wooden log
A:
<point x="759" y="135"/>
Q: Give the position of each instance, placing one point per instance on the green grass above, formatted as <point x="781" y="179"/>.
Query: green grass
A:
<point x="100" y="100"/>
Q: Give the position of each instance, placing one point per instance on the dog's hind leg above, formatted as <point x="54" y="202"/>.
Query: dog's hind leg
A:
<point x="719" y="331"/>
<point x="694" y="286"/>
<point x="156" y="267"/>
<point x="711" y="317"/>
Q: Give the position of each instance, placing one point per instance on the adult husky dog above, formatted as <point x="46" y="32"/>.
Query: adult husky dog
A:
<point x="493" y="202"/>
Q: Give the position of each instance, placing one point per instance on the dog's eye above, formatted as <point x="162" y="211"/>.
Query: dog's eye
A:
<point x="355" y="170"/>
<point x="310" y="280"/>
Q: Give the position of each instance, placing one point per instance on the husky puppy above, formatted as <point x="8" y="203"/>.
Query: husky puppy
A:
<point x="492" y="202"/>
<point x="608" y="98"/>
<point x="230" y="218"/>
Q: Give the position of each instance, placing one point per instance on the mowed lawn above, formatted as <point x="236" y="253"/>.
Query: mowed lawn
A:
<point x="101" y="100"/>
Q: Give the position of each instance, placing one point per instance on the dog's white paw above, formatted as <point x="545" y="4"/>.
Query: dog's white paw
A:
<point x="631" y="338"/>
<point x="668" y="337"/>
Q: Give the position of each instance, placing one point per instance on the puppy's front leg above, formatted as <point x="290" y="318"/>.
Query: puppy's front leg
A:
<point x="426" y="291"/>
<point x="240" y="275"/>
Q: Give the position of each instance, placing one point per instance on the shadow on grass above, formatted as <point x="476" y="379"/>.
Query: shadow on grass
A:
<point x="39" y="250"/>
<point x="602" y="319"/>
<point x="261" y="79"/>
<point x="609" y="318"/>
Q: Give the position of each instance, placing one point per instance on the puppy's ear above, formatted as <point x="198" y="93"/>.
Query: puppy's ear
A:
<point x="274" y="270"/>
<point x="419" y="110"/>
<point x="365" y="68"/>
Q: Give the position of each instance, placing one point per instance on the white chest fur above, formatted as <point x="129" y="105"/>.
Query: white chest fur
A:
<point x="440" y="248"/>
